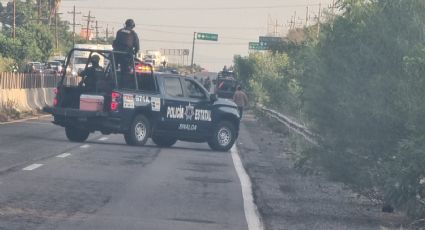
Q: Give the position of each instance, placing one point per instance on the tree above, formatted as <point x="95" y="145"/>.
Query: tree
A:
<point x="24" y="13"/>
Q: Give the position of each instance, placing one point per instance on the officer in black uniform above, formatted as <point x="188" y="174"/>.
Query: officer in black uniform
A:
<point x="126" y="41"/>
<point x="92" y="74"/>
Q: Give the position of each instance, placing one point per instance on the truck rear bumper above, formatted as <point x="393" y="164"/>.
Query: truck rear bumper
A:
<point x="69" y="112"/>
<point x="92" y="120"/>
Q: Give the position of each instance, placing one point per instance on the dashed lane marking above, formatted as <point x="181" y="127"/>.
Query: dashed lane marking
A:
<point x="251" y="212"/>
<point x="103" y="139"/>
<point x="64" y="155"/>
<point x="32" y="167"/>
<point x="84" y="146"/>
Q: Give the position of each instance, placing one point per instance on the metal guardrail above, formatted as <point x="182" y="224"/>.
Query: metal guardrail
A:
<point x="298" y="128"/>
<point x="28" y="81"/>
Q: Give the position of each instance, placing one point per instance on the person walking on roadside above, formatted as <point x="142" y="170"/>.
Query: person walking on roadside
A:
<point x="240" y="99"/>
<point x="127" y="41"/>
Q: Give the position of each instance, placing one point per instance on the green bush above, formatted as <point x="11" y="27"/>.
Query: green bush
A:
<point x="5" y="64"/>
<point x="360" y="86"/>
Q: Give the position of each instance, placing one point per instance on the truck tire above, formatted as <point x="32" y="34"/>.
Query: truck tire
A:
<point x="139" y="131"/>
<point x="76" y="134"/>
<point x="162" y="141"/>
<point x="224" y="136"/>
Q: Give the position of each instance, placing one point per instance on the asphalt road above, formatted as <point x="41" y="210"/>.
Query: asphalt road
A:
<point x="47" y="182"/>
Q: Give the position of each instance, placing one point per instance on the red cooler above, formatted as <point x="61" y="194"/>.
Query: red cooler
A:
<point x="91" y="102"/>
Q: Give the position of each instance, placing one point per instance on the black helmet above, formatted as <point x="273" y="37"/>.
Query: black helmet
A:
<point x="130" y="23"/>
<point x="95" y="59"/>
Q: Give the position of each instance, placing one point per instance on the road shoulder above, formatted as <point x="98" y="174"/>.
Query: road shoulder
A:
<point x="287" y="199"/>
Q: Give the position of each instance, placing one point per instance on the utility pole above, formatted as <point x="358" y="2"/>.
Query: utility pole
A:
<point x="14" y="19"/>
<point x="193" y="49"/>
<point x="73" y="24"/>
<point x="318" y="19"/>
<point x="333" y="7"/>
<point x="107" y="32"/>
<point x="50" y="13"/>
<point x="291" y="23"/>
<point x="306" y="18"/>
<point x="97" y="32"/>
<point x="39" y="11"/>
<point x="275" y="28"/>
<point x="56" y="31"/>
<point x="89" y="19"/>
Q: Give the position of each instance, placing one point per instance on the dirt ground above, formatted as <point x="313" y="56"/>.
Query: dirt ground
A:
<point x="289" y="199"/>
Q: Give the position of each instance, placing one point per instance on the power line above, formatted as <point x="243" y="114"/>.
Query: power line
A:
<point x="199" y="8"/>
<point x="192" y="26"/>
<point x="187" y="42"/>
<point x="187" y="34"/>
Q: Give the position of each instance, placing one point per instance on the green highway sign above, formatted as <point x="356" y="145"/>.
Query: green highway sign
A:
<point x="258" y="46"/>
<point x="270" y="40"/>
<point x="207" y="36"/>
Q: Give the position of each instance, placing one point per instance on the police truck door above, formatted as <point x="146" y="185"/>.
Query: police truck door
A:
<point x="198" y="111"/>
<point x="173" y="108"/>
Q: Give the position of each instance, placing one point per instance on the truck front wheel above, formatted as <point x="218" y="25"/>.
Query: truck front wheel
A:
<point x="224" y="136"/>
<point x="76" y="135"/>
<point x="139" y="131"/>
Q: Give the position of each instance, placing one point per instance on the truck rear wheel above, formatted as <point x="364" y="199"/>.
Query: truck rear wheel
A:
<point x="139" y="131"/>
<point x="224" y="136"/>
<point x="76" y="134"/>
<point x="164" y="141"/>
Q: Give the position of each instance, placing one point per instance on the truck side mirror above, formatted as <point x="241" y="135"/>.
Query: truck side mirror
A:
<point x="213" y="97"/>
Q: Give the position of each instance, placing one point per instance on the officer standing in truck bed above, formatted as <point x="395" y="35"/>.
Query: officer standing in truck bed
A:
<point x="126" y="41"/>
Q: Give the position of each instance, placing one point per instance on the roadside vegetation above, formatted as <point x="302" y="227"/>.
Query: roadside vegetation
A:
<point x="359" y="86"/>
<point x="35" y="39"/>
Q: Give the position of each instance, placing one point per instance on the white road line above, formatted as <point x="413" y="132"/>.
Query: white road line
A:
<point x="84" y="146"/>
<point x="32" y="167"/>
<point x="103" y="139"/>
<point x="251" y="212"/>
<point x="36" y="123"/>
<point x="24" y="120"/>
<point x="64" y="155"/>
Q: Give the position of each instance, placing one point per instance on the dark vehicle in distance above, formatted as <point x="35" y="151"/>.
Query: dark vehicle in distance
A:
<point x="142" y="104"/>
<point x="33" y="67"/>
<point x="53" y="67"/>
<point x="225" y="84"/>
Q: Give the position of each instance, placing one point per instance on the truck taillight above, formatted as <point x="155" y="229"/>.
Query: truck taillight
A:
<point x="115" y="101"/>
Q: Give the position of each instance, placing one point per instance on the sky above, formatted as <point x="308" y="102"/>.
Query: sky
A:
<point x="170" y="24"/>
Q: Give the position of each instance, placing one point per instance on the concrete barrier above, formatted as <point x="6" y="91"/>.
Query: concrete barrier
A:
<point x="49" y="96"/>
<point x="32" y="99"/>
<point x="26" y="99"/>
<point x="16" y="98"/>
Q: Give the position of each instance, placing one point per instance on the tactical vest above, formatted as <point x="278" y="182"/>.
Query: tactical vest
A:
<point x="125" y="40"/>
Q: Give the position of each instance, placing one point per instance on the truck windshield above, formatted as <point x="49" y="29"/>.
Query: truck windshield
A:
<point x="81" y="60"/>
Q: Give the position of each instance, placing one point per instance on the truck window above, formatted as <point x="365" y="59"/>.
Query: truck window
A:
<point x="173" y="87"/>
<point x="125" y="72"/>
<point x="146" y="82"/>
<point x="193" y="90"/>
<point x="81" y="60"/>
